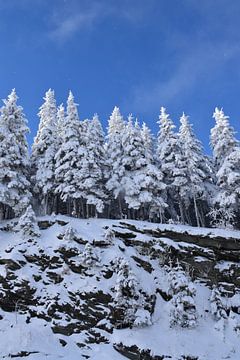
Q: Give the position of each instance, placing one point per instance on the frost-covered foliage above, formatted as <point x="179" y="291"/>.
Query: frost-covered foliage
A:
<point x="218" y="309"/>
<point x="182" y="305"/>
<point x="91" y="177"/>
<point x="128" y="301"/>
<point x="43" y="152"/>
<point x="226" y="154"/>
<point x="14" y="158"/>
<point x="27" y="225"/>
<point x="114" y="151"/>
<point x="89" y="257"/>
<point x="76" y="170"/>
<point x="109" y="236"/>
<point x="142" y="181"/>
<point x="194" y="182"/>
<point x="68" y="157"/>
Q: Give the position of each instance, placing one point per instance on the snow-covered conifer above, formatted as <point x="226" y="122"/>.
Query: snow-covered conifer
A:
<point x="226" y="152"/>
<point x="142" y="181"/>
<point x="27" y="225"/>
<point x="128" y="304"/>
<point x="194" y="181"/>
<point x="14" y="159"/>
<point x="114" y="151"/>
<point x="182" y="305"/>
<point x="91" y="178"/>
<point x="89" y="257"/>
<point x="43" y="152"/>
<point x="218" y="310"/>
<point x="222" y="138"/>
<point x="167" y="157"/>
<point x="68" y="158"/>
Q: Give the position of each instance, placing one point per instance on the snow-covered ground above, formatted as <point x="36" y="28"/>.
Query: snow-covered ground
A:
<point x="33" y="335"/>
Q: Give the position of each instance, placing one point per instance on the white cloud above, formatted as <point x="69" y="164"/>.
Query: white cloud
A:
<point x="202" y="62"/>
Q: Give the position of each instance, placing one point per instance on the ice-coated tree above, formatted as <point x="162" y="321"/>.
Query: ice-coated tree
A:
<point x="68" y="166"/>
<point x="14" y="159"/>
<point x="142" y="180"/>
<point x="226" y="152"/>
<point x="218" y="309"/>
<point x="222" y="138"/>
<point x="43" y="153"/>
<point x="194" y="182"/>
<point x="93" y="162"/>
<point x="168" y="158"/>
<point x="109" y="236"/>
<point x="27" y="225"/>
<point x="147" y="140"/>
<point x="128" y="302"/>
<point x="114" y="152"/>
<point x="89" y="257"/>
<point x="60" y="121"/>
<point x="182" y="305"/>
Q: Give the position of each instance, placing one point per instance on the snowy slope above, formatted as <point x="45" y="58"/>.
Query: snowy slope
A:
<point x="53" y="307"/>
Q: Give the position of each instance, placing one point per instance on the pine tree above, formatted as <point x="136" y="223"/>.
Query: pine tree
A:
<point x="218" y="310"/>
<point x="68" y="159"/>
<point x="114" y="151"/>
<point x="222" y="138"/>
<point x="142" y="180"/>
<point x="182" y="306"/>
<point x="126" y="296"/>
<point x="89" y="257"/>
<point x="27" y="225"/>
<point x="226" y="152"/>
<point x="168" y="158"/>
<point x="93" y="162"/>
<point x="14" y="159"/>
<point x="194" y="183"/>
<point x="43" y="153"/>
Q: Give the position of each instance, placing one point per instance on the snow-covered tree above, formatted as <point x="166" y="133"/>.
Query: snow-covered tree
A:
<point x="60" y="121"/>
<point x="27" y="225"/>
<point x="142" y="180"/>
<point x="109" y="236"/>
<point x="89" y="257"/>
<point x="168" y="158"/>
<point x="114" y="151"/>
<point x="182" y="305"/>
<point x="91" y="179"/>
<point x="194" y="182"/>
<point x="14" y="158"/>
<point x="43" y="153"/>
<point x="128" y="302"/>
<point x="68" y="166"/>
<point x="218" y="309"/>
<point x="226" y="152"/>
<point x="222" y="138"/>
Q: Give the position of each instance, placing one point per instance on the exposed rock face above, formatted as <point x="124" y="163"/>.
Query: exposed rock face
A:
<point x="43" y="279"/>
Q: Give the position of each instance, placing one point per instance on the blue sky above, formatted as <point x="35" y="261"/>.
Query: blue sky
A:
<point x="137" y="54"/>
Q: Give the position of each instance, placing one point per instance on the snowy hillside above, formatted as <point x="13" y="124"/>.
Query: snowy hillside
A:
<point x="106" y="289"/>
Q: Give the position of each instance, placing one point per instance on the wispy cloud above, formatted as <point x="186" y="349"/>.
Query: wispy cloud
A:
<point x="65" y="26"/>
<point x="76" y="16"/>
<point x="200" y="63"/>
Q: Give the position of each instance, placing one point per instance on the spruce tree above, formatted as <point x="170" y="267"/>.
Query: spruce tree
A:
<point x="43" y="153"/>
<point x="27" y="225"/>
<point x="114" y="152"/>
<point x="182" y="306"/>
<point x="142" y="181"/>
<point x="68" y="159"/>
<point x="93" y="163"/>
<point x="226" y="153"/>
<point x="14" y="159"/>
<point x="168" y="158"/>
<point x="195" y="183"/>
